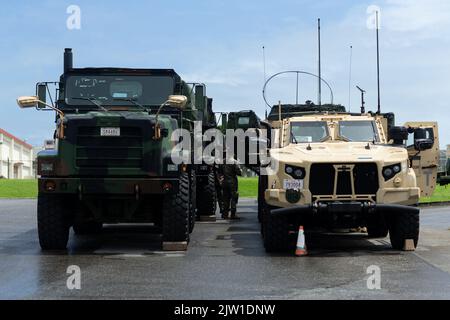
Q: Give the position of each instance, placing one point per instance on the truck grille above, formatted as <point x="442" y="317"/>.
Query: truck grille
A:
<point x="322" y="179"/>
<point x="95" y="151"/>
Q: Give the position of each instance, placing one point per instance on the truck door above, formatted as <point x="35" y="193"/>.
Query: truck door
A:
<point x="423" y="152"/>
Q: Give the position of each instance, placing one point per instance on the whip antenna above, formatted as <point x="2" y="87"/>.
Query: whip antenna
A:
<point x="320" y="71"/>
<point x="378" y="66"/>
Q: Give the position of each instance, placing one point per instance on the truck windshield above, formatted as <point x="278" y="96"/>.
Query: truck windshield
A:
<point x="113" y="90"/>
<point x="309" y="131"/>
<point x="361" y="131"/>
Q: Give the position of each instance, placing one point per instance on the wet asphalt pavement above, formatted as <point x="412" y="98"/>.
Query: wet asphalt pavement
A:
<point x="225" y="260"/>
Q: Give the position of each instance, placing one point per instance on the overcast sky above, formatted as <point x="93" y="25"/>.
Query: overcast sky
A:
<point x="219" y="42"/>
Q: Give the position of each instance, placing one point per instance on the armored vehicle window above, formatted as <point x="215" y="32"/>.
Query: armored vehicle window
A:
<point x="110" y="89"/>
<point x="309" y="131"/>
<point x="362" y="131"/>
<point x="244" y="121"/>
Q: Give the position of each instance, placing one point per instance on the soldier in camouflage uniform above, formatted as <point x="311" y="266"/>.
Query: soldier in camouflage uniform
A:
<point x="229" y="184"/>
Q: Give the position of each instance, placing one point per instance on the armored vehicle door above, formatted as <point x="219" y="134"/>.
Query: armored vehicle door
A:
<point x="423" y="152"/>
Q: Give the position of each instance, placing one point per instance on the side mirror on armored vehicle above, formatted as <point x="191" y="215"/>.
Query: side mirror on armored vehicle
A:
<point x="27" y="101"/>
<point x="423" y="140"/>
<point x="42" y="95"/>
<point x="177" y="101"/>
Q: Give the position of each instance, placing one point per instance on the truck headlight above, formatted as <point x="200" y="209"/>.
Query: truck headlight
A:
<point x="390" y="171"/>
<point x="295" y="172"/>
<point x="47" y="167"/>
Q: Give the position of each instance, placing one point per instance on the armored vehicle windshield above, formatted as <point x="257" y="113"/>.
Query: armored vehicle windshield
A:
<point x="116" y="89"/>
<point x="359" y="131"/>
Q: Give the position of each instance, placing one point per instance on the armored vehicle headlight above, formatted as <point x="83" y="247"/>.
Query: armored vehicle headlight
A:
<point x="298" y="173"/>
<point x="295" y="172"/>
<point x="390" y="171"/>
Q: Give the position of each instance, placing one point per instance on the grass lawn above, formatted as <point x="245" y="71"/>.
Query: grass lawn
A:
<point x="18" y="188"/>
<point x="440" y="194"/>
<point x="248" y="188"/>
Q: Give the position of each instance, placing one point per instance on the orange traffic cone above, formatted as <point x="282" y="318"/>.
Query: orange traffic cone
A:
<point x="301" y="245"/>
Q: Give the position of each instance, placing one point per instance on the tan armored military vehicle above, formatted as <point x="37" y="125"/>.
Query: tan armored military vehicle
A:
<point x="338" y="170"/>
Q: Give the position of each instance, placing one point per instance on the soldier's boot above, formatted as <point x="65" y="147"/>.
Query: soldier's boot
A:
<point x="234" y="216"/>
<point x="225" y="216"/>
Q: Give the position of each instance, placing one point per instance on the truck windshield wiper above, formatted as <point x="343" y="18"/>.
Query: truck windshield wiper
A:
<point x="132" y="101"/>
<point x="92" y="100"/>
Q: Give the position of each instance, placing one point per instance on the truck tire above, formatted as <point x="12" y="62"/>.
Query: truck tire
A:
<point x="403" y="226"/>
<point x="54" y="220"/>
<point x="377" y="226"/>
<point x="262" y="186"/>
<point x="86" y="228"/>
<point x="175" y="220"/>
<point x="193" y="206"/>
<point x="207" y="202"/>
<point x="275" y="231"/>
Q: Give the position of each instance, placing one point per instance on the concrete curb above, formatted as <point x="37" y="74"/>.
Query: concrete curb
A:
<point x="434" y="204"/>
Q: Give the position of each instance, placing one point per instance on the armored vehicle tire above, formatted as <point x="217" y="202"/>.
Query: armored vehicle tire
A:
<point x="275" y="232"/>
<point x="54" y="219"/>
<point x="175" y="213"/>
<point x="193" y="206"/>
<point x="403" y="226"/>
<point x="377" y="226"/>
<point x="91" y="227"/>
<point x="207" y="201"/>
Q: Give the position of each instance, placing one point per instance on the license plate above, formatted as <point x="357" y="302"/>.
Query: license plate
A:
<point x="110" y="132"/>
<point x="294" y="184"/>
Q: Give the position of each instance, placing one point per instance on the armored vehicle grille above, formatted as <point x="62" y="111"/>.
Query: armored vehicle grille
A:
<point x="96" y="151"/>
<point x="322" y="179"/>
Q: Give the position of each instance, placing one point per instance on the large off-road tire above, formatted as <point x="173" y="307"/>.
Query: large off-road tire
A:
<point x="175" y="220"/>
<point x="54" y="218"/>
<point x="403" y="226"/>
<point x="377" y="226"/>
<point x="86" y="228"/>
<point x="193" y="202"/>
<point x="275" y="231"/>
<point x="207" y="200"/>
<point x="262" y="186"/>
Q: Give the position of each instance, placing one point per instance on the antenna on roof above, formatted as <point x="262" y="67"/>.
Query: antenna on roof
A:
<point x="378" y="66"/>
<point x="319" y="99"/>
<point x="350" y="80"/>
<point x="264" y="62"/>
<point x="363" y="109"/>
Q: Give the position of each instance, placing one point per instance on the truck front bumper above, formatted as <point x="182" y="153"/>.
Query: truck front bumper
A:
<point x="344" y="208"/>
<point x="108" y="186"/>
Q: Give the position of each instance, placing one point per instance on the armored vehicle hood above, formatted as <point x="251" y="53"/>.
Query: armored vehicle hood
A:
<point x="339" y="152"/>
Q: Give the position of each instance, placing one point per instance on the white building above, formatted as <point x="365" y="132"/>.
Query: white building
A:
<point x="16" y="157"/>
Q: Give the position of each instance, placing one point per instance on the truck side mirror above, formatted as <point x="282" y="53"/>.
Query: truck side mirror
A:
<point x="423" y="140"/>
<point x="42" y="95"/>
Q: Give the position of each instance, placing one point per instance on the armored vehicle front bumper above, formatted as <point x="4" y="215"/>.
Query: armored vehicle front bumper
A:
<point x="108" y="186"/>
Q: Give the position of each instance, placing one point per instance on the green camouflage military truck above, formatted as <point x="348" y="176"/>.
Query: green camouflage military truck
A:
<point x="112" y="162"/>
